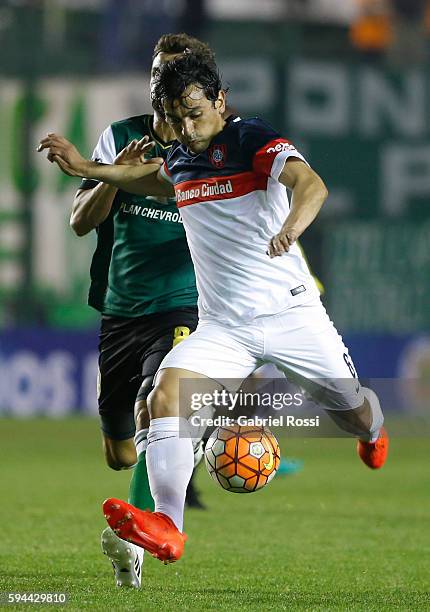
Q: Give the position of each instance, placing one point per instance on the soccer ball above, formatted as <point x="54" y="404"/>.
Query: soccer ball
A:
<point x="242" y="458"/>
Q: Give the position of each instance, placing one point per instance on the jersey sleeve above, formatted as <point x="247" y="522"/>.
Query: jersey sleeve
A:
<point x="164" y="171"/>
<point x="104" y="152"/>
<point x="265" y="149"/>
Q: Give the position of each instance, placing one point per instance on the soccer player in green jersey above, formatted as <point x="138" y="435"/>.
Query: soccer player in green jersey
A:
<point x="143" y="284"/>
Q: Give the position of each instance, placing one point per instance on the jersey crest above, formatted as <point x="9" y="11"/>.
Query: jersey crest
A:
<point x="218" y="155"/>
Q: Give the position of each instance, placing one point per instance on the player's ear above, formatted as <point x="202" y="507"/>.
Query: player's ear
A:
<point x="220" y="102"/>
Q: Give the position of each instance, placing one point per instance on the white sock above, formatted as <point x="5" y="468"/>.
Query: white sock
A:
<point x="141" y="441"/>
<point x="197" y="424"/>
<point x="377" y="416"/>
<point x="170" y="461"/>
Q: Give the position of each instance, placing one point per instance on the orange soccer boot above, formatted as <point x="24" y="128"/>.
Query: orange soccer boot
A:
<point x="153" y="531"/>
<point x="374" y="454"/>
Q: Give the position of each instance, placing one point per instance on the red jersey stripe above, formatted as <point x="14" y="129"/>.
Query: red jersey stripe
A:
<point x="219" y="188"/>
<point x="166" y="169"/>
<point x="263" y="158"/>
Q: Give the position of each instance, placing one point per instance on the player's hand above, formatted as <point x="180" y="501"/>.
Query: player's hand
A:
<point x="64" y="153"/>
<point x="281" y="243"/>
<point x="134" y="153"/>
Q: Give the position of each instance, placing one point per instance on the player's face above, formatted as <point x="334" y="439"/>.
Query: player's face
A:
<point x="159" y="60"/>
<point x="194" y="119"/>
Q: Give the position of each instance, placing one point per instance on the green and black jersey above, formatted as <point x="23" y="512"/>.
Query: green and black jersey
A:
<point x="141" y="264"/>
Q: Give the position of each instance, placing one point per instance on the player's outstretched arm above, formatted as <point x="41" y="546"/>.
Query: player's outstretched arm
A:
<point x="151" y="183"/>
<point x="92" y="206"/>
<point x="139" y="178"/>
<point x="308" y="195"/>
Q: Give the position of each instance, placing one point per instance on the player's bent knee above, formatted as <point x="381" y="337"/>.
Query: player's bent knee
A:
<point x="121" y="463"/>
<point x="118" y="465"/>
<point x="161" y="403"/>
<point x="120" y="454"/>
<point x="164" y="400"/>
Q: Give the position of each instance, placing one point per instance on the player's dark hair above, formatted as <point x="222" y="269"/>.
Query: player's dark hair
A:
<point x="181" y="43"/>
<point x="183" y="71"/>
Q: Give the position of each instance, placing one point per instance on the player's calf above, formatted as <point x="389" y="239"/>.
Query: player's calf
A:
<point x="373" y="449"/>
<point x="141" y="414"/>
<point x="169" y="456"/>
<point x="364" y="421"/>
<point x="140" y="494"/>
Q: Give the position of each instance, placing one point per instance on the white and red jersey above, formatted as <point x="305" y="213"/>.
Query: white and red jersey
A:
<point x="232" y="205"/>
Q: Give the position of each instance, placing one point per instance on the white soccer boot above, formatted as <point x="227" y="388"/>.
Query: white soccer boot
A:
<point x="126" y="559"/>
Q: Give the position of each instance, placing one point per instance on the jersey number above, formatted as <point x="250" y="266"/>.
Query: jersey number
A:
<point x="179" y="334"/>
<point x="347" y="360"/>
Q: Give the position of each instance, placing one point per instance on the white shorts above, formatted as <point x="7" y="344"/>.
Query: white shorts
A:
<point x="301" y="341"/>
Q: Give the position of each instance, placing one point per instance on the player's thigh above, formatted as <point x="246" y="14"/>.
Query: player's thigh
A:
<point x="215" y="352"/>
<point x="210" y="359"/>
<point x="118" y="379"/>
<point x="307" y="346"/>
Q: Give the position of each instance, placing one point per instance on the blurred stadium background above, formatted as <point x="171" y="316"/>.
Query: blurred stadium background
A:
<point x="347" y="81"/>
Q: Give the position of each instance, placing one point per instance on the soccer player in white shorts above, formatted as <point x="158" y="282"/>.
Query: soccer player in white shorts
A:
<point x="258" y="303"/>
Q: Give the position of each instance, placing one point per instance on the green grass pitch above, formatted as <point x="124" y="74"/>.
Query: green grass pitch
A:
<point x="336" y="536"/>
